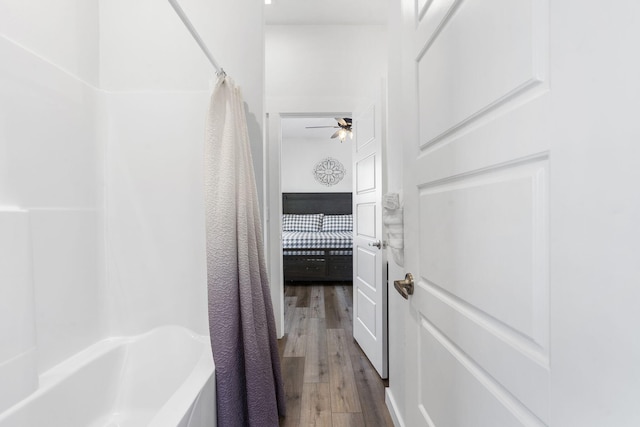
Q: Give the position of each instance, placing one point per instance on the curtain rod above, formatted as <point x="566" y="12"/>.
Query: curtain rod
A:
<point x="187" y="23"/>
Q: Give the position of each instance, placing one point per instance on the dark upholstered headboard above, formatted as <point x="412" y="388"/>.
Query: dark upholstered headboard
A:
<point x="326" y="203"/>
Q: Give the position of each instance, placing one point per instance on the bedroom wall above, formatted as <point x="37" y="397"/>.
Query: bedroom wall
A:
<point x="299" y="157"/>
<point x="51" y="158"/>
<point x="159" y="83"/>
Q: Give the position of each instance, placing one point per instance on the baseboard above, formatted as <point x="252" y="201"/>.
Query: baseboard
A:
<point x="393" y="408"/>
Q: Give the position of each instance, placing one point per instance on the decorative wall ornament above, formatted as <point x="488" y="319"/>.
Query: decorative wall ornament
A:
<point x="329" y="171"/>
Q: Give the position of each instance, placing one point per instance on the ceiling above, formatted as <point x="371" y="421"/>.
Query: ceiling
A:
<point x="295" y="128"/>
<point x="326" y="12"/>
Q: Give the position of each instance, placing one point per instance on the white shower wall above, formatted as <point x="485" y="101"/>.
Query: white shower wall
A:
<point x="63" y="32"/>
<point x="155" y="211"/>
<point x="144" y="47"/>
<point x="102" y="112"/>
<point x="158" y="86"/>
<point x="50" y="168"/>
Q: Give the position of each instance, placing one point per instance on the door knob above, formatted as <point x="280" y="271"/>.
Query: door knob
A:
<point x="405" y="287"/>
<point x="378" y="244"/>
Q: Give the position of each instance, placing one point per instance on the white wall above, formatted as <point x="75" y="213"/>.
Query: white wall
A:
<point x="159" y="84"/>
<point x="62" y="32"/>
<point x="323" y="61"/>
<point x="300" y="156"/>
<point x="397" y="306"/>
<point x="50" y="173"/>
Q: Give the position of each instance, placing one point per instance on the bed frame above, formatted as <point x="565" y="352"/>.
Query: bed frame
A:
<point x="317" y="267"/>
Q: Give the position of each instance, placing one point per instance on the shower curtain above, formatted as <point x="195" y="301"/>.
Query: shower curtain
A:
<point x="241" y="322"/>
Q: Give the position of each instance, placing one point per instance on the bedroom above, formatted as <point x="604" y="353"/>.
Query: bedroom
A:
<point x="316" y="178"/>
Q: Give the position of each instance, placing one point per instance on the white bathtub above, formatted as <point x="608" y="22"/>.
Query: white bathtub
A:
<point x="164" y="378"/>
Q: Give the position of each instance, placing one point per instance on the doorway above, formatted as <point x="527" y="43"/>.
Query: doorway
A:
<point x="296" y="144"/>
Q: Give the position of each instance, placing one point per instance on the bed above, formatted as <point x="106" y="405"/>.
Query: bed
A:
<point x="317" y="237"/>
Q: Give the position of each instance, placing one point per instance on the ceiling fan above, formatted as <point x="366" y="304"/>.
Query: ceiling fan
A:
<point x="344" y="128"/>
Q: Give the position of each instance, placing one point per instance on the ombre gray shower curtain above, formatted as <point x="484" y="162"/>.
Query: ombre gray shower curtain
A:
<point x="241" y="322"/>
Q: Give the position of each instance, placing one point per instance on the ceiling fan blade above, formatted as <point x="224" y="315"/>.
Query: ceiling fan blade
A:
<point x="341" y="121"/>
<point x="317" y="127"/>
<point x="348" y="120"/>
<point x="335" y="135"/>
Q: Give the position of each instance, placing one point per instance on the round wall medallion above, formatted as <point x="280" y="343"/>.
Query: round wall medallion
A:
<point x="329" y="171"/>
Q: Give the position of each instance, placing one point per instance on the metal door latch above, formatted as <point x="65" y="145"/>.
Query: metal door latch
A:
<point x="405" y="287"/>
<point x="379" y="244"/>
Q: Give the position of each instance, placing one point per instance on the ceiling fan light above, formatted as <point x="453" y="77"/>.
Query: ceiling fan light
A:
<point x="342" y="134"/>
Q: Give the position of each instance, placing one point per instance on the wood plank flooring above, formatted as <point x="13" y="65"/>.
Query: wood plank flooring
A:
<point x="329" y="382"/>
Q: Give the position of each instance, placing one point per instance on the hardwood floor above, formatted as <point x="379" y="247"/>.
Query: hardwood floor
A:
<point x="328" y="380"/>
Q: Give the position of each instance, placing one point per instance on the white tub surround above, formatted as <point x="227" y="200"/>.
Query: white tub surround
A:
<point x="163" y="378"/>
<point x="18" y="361"/>
<point x="100" y="125"/>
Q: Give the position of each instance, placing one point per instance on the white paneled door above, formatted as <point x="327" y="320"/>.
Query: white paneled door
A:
<point x="369" y="264"/>
<point x="511" y="196"/>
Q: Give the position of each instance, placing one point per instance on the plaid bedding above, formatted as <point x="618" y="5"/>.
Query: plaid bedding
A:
<point x="303" y="222"/>
<point x="337" y="223"/>
<point x="299" y="240"/>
